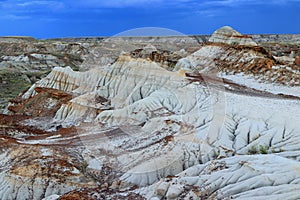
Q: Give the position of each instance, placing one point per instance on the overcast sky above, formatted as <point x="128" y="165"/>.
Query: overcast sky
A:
<point x="65" y="18"/>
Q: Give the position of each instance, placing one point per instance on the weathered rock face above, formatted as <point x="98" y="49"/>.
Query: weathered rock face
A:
<point x="290" y="50"/>
<point x="45" y="103"/>
<point x="151" y="130"/>
<point x="24" y="61"/>
<point x="228" y="35"/>
<point x="240" y="55"/>
<point x="40" y="55"/>
<point x="228" y="58"/>
<point x="40" y="173"/>
<point x="31" y="171"/>
<point x="132" y="129"/>
<point x="220" y="180"/>
<point x="167" y="59"/>
<point x="126" y="82"/>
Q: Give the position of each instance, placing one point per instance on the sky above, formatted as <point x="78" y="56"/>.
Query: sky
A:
<point x="80" y="18"/>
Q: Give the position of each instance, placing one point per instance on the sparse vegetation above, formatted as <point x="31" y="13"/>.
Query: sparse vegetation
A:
<point x="263" y="149"/>
<point x="258" y="150"/>
<point x="253" y="150"/>
<point x="11" y="85"/>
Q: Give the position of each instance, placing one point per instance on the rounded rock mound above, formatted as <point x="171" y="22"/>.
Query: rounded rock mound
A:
<point x="228" y="35"/>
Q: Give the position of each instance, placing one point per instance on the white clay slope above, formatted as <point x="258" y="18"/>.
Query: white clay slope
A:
<point x="155" y="123"/>
<point x="240" y="177"/>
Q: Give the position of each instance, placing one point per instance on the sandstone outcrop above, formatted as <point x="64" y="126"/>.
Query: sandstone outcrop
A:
<point x="228" y="35"/>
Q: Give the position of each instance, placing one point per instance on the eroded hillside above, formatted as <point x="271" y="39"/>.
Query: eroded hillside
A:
<point x="152" y="120"/>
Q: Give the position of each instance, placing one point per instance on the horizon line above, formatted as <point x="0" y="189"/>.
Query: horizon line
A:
<point x="124" y="36"/>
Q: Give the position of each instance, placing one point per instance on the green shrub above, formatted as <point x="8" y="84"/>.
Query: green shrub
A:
<point x="252" y="150"/>
<point x="263" y="149"/>
<point x="258" y="150"/>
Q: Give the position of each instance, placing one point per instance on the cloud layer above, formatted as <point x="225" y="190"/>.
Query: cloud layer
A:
<point x="76" y="16"/>
<point x="56" y="5"/>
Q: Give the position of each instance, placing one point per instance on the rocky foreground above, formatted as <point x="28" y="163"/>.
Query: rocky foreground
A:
<point x="209" y="119"/>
